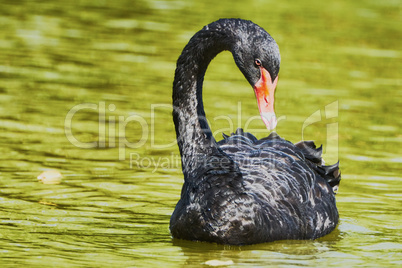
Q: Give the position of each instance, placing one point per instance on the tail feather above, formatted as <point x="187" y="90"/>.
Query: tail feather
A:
<point x="330" y="173"/>
<point x="310" y="151"/>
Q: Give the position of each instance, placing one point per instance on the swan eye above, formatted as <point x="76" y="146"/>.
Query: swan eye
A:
<point x="258" y="62"/>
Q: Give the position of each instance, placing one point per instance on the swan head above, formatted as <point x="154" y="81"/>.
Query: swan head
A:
<point x="257" y="56"/>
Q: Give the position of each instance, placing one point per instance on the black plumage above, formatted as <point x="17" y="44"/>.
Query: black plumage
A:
<point x="242" y="190"/>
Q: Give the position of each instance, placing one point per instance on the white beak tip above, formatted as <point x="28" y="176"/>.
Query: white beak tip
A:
<point x="269" y="120"/>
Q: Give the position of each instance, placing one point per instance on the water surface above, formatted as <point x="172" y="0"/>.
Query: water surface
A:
<point x="85" y="89"/>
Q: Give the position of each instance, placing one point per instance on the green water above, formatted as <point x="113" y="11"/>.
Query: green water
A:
<point x="85" y="89"/>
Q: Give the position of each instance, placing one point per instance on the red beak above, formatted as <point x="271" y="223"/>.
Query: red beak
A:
<point x="264" y="91"/>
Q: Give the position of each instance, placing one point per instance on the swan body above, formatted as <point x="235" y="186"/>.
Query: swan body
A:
<point x="242" y="190"/>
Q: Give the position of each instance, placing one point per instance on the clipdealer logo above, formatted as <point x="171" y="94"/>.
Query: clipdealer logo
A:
<point x="112" y="131"/>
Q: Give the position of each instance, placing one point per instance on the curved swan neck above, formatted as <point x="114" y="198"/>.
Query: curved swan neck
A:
<point x="192" y="130"/>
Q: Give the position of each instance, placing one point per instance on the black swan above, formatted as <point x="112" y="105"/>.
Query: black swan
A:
<point x="242" y="190"/>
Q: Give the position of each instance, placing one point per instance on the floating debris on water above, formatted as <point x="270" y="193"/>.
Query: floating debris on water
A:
<point x="47" y="203"/>
<point x="50" y="177"/>
<point x="219" y="263"/>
